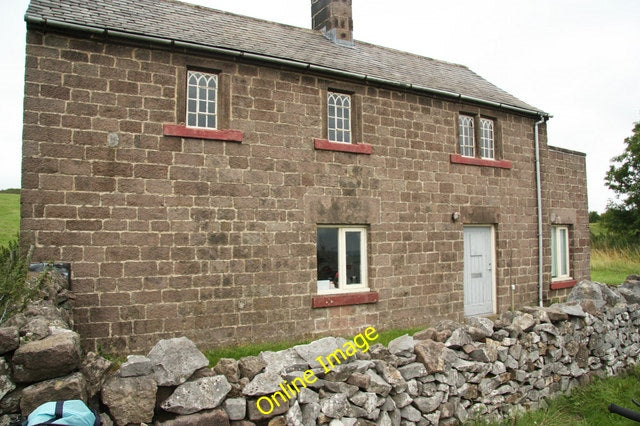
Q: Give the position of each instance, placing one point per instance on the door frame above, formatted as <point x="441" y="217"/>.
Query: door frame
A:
<point x="494" y="290"/>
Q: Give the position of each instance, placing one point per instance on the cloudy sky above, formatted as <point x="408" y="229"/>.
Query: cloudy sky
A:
<point x="579" y="60"/>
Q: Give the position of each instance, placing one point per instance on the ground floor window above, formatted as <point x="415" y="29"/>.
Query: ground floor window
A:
<point x="560" y="269"/>
<point x="342" y="259"/>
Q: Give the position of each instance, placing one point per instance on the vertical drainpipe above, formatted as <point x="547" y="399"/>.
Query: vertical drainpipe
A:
<point x="539" y="199"/>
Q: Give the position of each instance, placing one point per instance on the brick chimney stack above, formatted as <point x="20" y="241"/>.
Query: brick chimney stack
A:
<point x="334" y="19"/>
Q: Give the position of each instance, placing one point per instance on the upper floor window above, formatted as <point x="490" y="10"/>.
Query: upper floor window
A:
<point x="342" y="259"/>
<point x="202" y="100"/>
<point x="479" y="142"/>
<point x="339" y="115"/>
<point x="560" y="253"/>
<point x="203" y="109"/>
<point x="342" y="124"/>
<point x="487" y="140"/>
<point x="466" y="136"/>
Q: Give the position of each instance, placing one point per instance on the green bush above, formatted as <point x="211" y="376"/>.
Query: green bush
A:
<point x="15" y="290"/>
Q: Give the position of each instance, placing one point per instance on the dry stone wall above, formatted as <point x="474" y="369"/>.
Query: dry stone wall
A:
<point x="448" y="374"/>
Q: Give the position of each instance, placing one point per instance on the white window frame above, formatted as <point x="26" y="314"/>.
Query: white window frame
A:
<point x="343" y="286"/>
<point x="487" y="139"/>
<point x="339" y="117"/>
<point x="203" y="107"/>
<point x="560" y="258"/>
<point x="466" y="136"/>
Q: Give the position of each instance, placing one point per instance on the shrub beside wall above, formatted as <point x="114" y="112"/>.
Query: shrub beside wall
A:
<point x="443" y="375"/>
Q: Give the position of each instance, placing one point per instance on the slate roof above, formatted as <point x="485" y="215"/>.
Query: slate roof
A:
<point x="175" y="21"/>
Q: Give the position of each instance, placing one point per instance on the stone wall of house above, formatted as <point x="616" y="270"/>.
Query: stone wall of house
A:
<point x="448" y="374"/>
<point x="564" y="173"/>
<point x="214" y="240"/>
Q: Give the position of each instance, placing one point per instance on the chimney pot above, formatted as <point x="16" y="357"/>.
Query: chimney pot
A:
<point x="334" y="18"/>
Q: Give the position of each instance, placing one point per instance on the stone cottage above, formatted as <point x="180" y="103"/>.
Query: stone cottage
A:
<point x="232" y="180"/>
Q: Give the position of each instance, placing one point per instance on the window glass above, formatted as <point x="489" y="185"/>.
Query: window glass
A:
<point x="466" y="136"/>
<point x="563" y="244"/>
<point x="342" y="259"/>
<point x="353" y="241"/>
<point x="487" y="139"/>
<point x="560" y="252"/>
<point x="339" y="117"/>
<point x="202" y="98"/>
<point x="327" y="254"/>
<point x="554" y="256"/>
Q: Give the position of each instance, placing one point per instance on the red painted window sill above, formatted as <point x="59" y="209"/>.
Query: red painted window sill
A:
<point x="357" y="148"/>
<point x="197" y="133"/>
<point x="332" y="300"/>
<point x="557" y="285"/>
<point x="472" y="161"/>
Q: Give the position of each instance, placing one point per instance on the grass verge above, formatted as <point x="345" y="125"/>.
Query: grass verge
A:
<point x="613" y="257"/>
<point x="238" y="352"/>
<point x="588" y="405"/>
<point x="612" y="266"/>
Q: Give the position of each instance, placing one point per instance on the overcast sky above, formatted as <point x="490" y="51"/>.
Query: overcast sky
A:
<point x="579" y="60"/>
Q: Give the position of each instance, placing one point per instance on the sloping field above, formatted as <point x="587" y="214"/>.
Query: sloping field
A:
<point x="9" y="217"/>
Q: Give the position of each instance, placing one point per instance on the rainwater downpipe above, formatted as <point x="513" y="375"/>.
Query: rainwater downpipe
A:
<point x="536" y="134"/>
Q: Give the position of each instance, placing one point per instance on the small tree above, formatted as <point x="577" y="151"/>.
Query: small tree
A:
<point x="623" y="177"/>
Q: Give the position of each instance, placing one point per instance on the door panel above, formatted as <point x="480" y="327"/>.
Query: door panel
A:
<point x="478" y="270"/>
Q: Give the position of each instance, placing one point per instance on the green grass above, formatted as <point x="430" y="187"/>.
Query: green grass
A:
<point x="612" y="266"/>
<point x="588" y="405"/>
<point x="238" y="352"/>
<point x="613" y="258"/>
<point x="9" y="217"/>
<point x="247" y="350"/>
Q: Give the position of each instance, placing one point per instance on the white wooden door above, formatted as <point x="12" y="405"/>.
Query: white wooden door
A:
<point x="478" y="270"/>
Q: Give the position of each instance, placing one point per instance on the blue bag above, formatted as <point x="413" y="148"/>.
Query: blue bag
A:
<point x="70" y="413"/>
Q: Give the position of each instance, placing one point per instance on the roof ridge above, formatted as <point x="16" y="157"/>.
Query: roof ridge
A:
<point x="405" y="52"/>
<point x="240" y="15"/>
<point x="200" y="25"/>
<point x="312" y="31"/>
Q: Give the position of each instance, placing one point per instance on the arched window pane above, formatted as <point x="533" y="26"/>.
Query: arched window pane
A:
<point x="202" y="98"/>
<point x="487" y="144"/>
<point x="466" y="136"/>
<point x="339" y="112"/>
